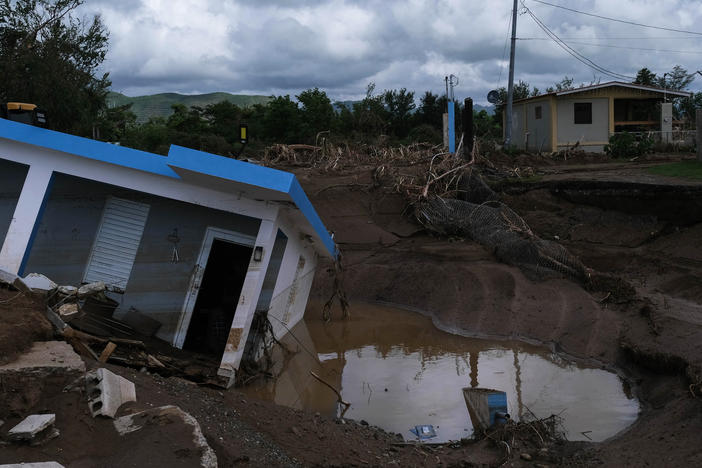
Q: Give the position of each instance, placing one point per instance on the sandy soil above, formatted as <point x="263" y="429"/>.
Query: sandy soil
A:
<point x="652" y="335"/>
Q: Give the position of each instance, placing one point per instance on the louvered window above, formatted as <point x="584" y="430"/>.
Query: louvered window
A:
<point x="116" y="243"/>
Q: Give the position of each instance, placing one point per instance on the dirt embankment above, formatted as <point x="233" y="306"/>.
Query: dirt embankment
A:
<point x="652" y="334"/>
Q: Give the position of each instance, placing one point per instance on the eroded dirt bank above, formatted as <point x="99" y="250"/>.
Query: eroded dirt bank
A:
<point x="652" y="331"/>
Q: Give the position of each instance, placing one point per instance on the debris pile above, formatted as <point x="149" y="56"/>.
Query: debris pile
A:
<point x="447" y="195"/>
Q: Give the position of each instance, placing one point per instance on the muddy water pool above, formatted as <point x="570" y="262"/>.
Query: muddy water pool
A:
<point x="398" y="371"/>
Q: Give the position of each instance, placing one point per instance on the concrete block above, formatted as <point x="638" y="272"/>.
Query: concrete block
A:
<point x="107" y="392"/>
<point x="46" y="356"/>
<point x="31" y="426"/>
<point x="68" y="312"/>
<point x="39" y="283"/>
<point x="91" y="289"/>
<point x="161" y="420"/>
<point x="34" y="465"/>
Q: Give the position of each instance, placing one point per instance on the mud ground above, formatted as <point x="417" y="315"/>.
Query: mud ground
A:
<point x="650" y="331"/>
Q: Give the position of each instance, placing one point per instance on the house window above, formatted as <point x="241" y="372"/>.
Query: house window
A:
<point x="537" y="112"/>
<point x="582" y="112"/>
<point x="116" y="243"/>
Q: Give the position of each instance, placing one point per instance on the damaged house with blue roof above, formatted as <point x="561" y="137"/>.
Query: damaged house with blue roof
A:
<point x="200" y="244"/>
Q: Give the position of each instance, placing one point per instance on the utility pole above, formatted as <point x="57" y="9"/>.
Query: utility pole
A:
<point x="510" y="85"/>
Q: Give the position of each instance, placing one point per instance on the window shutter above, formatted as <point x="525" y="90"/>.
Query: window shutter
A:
<point x="116" y="243"/>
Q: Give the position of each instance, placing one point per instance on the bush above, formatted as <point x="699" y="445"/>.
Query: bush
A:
<point x="425" y="133"/>
<point x="628" y="145"/>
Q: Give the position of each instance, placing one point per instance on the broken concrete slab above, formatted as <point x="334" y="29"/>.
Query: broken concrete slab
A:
<point x="45" y="356"/>
<point x="91" y="289"/>
<point x="68" y="312"/>
<point x="162" y="419"/>
<point x="13" y="280"/>
<point x="39" y="283"/>
<point x="31" y="426"/>
<point x="107" y="391"/>
<point x="46" y="364"/>
<point x="67" y="290"/>
<point x="34" y="465"/>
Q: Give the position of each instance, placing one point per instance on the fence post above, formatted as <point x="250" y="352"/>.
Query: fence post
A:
<point x="467" y="121"/>
<point x="698" y="124"/>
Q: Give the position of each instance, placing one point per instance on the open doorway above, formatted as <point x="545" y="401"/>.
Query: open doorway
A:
<point x="217" y="298"/>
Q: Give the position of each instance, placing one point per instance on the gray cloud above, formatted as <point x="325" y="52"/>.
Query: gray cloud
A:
<point x="283" y="47"/>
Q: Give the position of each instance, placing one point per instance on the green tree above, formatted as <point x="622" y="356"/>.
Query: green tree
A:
<point x="370" y="115"/>
<point x="646" y="77"/>
<point x="223" y="119"/>
<point x="317" y="113"/>
<point x="677" y="79"/>
<point x="564" y="85"/>
<point x="282" y="122"/>
<point x="399" y="106"/>
<point x="430" y="111"/>
<point x="50" y="58"/>
<point x="344" y="123"/>
<point x="113" y="123"/>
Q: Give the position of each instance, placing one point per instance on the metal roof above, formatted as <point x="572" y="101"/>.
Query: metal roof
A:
<point x="224" y="174"/>
<point x="621" y="84"/>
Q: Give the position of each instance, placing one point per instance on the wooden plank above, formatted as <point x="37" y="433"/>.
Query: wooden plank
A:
<point x="82" y="348"/>
<point x="107" y="352"/>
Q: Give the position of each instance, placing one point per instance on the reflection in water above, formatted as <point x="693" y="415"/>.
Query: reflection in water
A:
<point x="398" y="371"/>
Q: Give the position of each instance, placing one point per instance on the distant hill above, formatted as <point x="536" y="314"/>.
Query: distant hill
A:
<point x="159" y="105"/>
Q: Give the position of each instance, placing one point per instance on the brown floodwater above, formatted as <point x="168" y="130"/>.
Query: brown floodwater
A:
<point x="398" y="371"/>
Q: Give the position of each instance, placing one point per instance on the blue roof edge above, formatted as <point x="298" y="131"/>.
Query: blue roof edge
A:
<point x="305" y="205"/>
<point x="272" y="179"/>
<point x="87" y="148"/>
<point x="217" y="166"/>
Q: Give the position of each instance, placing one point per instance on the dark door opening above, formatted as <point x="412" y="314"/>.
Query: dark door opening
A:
<point x="217" y="298"/>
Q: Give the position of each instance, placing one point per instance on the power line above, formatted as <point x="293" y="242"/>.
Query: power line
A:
<point x="617" y="47"/>
<point x="618" y="20"/>
<point x="617" y="38"/>
<point x="577" y="55"/>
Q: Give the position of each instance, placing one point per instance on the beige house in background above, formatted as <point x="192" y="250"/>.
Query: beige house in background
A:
<point x="589" y="115"/>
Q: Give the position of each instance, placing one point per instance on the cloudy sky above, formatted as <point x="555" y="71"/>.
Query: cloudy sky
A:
<point x="282" y="47"/>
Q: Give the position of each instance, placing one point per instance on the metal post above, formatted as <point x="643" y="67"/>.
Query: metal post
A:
<point x="467" y="127"/>
<point x="510" y="86"/>
<point x="698" y="123"/>
<point x="451" y="128"/>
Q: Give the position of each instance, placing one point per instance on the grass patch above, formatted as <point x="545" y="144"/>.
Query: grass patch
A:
<point x="685" y="169"/>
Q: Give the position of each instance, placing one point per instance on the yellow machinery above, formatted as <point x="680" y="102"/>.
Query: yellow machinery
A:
<point x="26" y="113"/>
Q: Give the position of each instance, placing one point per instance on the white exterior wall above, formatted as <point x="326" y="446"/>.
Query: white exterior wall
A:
<point x="592" y="137"/>
<point x="539" y="130"/>
<point x="293" y="287"/>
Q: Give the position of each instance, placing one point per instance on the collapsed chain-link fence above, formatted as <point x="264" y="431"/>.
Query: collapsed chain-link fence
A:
<point x="494" y="225"/>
